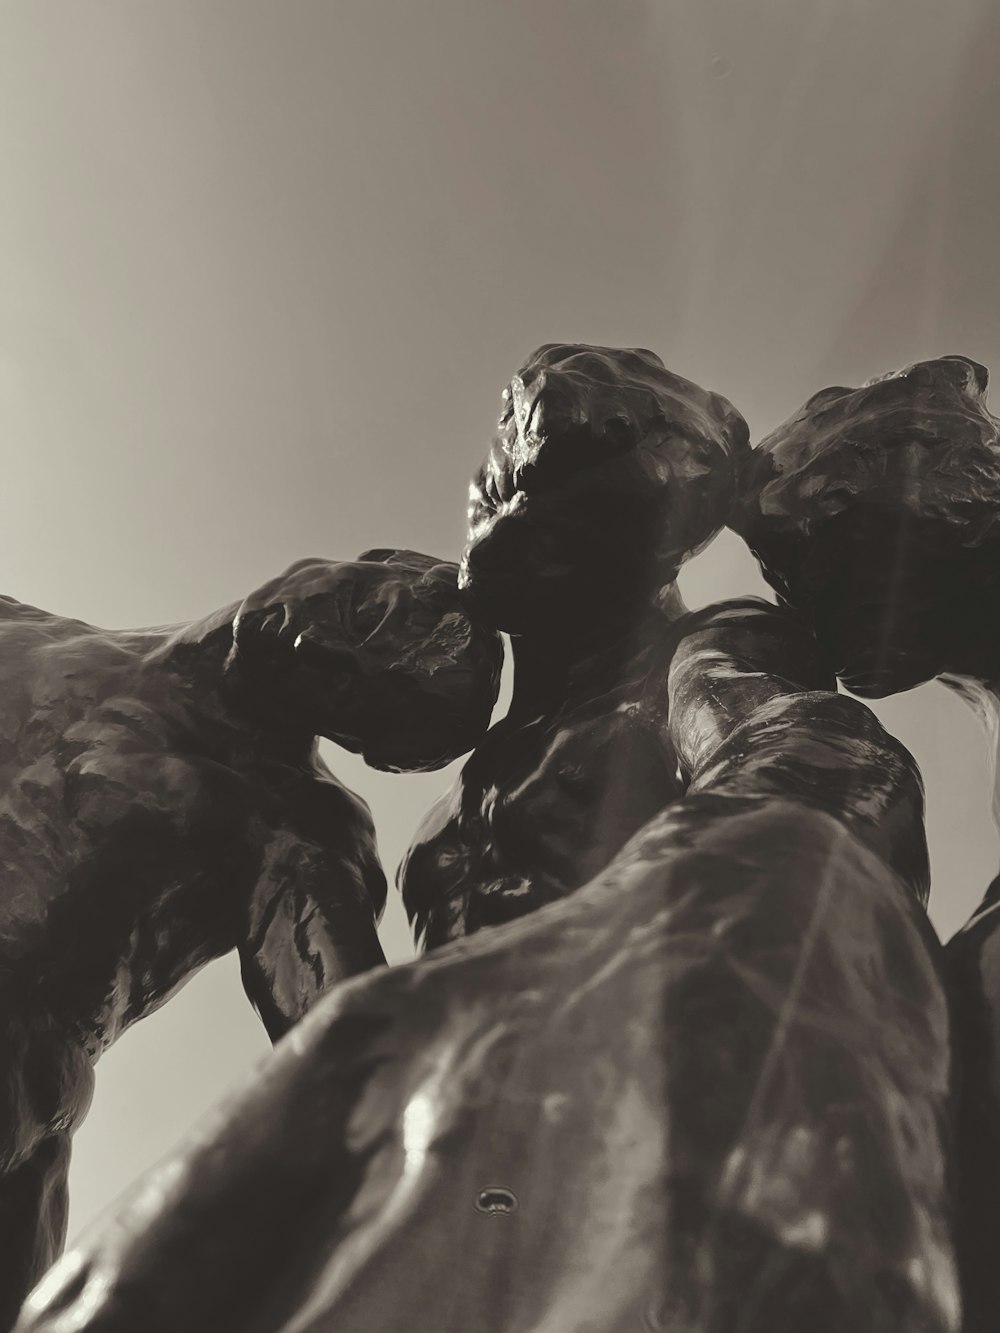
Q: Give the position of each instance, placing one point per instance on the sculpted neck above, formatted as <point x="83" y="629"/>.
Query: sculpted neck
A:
<point x="571" y="668"/>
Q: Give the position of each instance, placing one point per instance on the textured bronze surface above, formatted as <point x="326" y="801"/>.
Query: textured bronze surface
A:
<point x="707" y="1088"/>
<point x="705" y="1093"/>
<point x="607" y="471"/>
<point x="162" y="802"/>
<point x="876" y="511"/>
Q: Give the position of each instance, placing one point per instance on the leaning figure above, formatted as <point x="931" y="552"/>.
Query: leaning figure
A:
<point x="607" y="472"/>
<point x="708" y="1091"/>
<point x="162" y="802"/>
<point x="876" y="513"/>
<point x="703" y="1088"/>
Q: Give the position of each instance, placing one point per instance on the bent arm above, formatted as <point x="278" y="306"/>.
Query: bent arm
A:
<point x="311" y="918"/>
<point x="753" y="712"/>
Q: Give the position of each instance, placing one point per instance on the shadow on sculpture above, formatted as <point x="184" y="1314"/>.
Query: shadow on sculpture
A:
<point x="606" y="473"/>
<point x="688" y="1076"/>
<point x="876" y="513"/>
<point x="706" y="1091"/>
<point x="163" y="803"/>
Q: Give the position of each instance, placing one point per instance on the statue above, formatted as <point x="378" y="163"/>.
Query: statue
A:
<point x="708" y="1091"/>
<point x="607" y="472"/>
<point x="706" y="1088"/>
<point x="163" y="803"/>
<point x="876" y="512"/>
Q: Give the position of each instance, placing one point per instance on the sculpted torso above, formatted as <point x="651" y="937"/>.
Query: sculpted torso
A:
<point x="607" y="471"/>
<point x="703" y="1092"/>
<point x="709" y="1088"/>
<point x="544" y="803"/>
<point x="162" y="802"/>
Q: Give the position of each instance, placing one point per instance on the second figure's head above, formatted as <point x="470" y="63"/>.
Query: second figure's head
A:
<point x="606" y="473"/>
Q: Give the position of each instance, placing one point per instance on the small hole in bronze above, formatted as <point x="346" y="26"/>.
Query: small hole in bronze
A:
<point x="496" y="1200"/>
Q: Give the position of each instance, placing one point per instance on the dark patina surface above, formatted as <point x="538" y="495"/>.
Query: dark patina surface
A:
<point x="607" y="471"/>
<point x="876" y="512"/>
<point x="707" y="1087"/>
<point x="162" y="802"/>
<point x="707" y="1092"/>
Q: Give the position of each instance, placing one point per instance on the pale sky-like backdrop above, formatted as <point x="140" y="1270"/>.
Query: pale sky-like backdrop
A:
<point x="265" y="267"/>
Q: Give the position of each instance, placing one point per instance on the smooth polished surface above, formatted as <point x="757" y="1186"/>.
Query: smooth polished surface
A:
<point x="876" y="512"/>
<point x="707" y="1092"/>
<point x="607" y="471"/>
<point x="162" y="803"/>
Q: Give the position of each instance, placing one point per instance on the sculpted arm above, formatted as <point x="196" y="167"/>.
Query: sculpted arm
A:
<point x="707" y="1089"/>
<point x="683" y="1086"/>
<point x="709" y="1085"/>
<point x="753" y="714"/>
<point x="378" y="656"/>
<point x="311" y="917"/>
<point x="875" y="511"/>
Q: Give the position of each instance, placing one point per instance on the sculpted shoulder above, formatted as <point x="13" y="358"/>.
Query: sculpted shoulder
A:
<point x="51" y="669"/>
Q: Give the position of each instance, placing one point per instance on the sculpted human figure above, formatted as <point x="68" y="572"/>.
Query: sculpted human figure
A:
<point x="704" y="1090"/>
<point x="876" y="512"/>
<point x="706" y="1093"/>
<point x="163" y="802"/>
<point x="606" y="473"/>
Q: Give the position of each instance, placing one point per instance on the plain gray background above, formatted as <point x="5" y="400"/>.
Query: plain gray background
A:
<point x="265" y="267"/>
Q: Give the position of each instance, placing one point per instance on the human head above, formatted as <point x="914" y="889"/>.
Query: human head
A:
<point x="606" y="473"/>
<point x="876" y="512"/>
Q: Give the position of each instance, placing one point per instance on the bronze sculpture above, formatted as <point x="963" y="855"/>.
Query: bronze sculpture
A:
<point x="606" y="473"/>
<point x="678" y="1099"/>
<point x="707" y="1090"/>
<point x="876" y="512"/>
<point x="163" y="802"/>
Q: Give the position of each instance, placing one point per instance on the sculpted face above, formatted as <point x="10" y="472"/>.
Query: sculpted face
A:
<point x="376" y="654"/>
<point x="606" y="473"/>
<point x="877" y="512"/>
